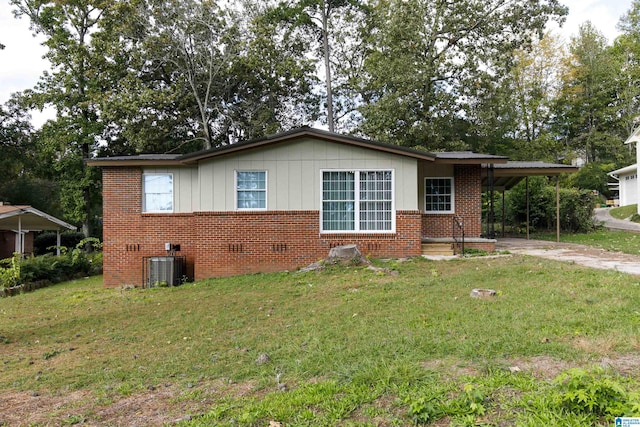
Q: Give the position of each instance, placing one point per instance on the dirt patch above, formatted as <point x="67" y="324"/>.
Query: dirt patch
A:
<point x="541" y="367"/>
<point x="165" y="404"/>
<point x="547" y="368"/>
<point x="455" y="368"/>
<point x="143" y="409"/>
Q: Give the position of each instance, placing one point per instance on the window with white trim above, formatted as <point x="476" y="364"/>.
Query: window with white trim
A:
<point x="157" y="192"/>
<point x="251" y="190"/>
<point x="439" y="195"/>
<point x="359" y="201"/>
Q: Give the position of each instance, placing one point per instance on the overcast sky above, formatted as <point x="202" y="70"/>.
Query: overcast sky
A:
<point x="21" y="61"/>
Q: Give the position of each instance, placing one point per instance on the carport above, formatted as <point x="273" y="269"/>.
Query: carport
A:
<point x="504" y="176"/>
<point x="23" y="219"/>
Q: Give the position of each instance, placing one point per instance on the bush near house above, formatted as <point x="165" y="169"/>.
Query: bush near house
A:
<point x="45" y="242"/>
<point x="576" y="207"/>
<point x="38" y="271"/>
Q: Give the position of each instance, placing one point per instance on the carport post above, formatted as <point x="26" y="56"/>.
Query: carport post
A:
<point x="527" y="190"/>
<point x="557" y="208"/>
<point x="503" y="212"/>
<point x="19" y="235"/>
<point x="58" y="242"/>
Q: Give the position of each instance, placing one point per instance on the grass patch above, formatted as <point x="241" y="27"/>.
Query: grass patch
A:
<point x="345" y="345"/>
<point x="611" y="240"/>
<point x="624" y="212"/>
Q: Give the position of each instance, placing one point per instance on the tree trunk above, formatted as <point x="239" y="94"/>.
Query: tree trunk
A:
<point x="327" y="63"/>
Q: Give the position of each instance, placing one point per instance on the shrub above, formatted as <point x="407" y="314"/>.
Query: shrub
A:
<point x="594" y="392"/>
<point x="10" y="272"/>
<point x="576" y="210"/>
<point x="44" y="242"/>
<point x="53" y="269"/>
<point x="576" y="207"/>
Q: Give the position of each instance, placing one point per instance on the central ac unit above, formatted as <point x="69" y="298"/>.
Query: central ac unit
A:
<point x="165" y="271"/>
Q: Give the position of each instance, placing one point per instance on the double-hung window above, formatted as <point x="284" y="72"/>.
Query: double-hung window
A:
<point x="439" y="195"/>
<point x="157" y="191"/>
<point x="358" y="201"/>
<point x="251" y="190"/>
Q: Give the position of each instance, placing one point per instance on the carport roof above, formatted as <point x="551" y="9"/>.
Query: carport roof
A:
<point x="29" y="218"/>
<point x="506" y="175"/>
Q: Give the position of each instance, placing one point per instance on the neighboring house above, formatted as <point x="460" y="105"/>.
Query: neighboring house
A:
<point x="282" y="202"/>
<point x="627" y="184"/>
<point x="627" y="177"/>
<point x="17" y="227"/>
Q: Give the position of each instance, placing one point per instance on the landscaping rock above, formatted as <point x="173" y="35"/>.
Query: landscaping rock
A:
<point x="344" y="255"/>
<point x="386" y="271"/>
<point x="347" y="254"/>
<point x="483" y="293"/>
<point x="262" y="359"/>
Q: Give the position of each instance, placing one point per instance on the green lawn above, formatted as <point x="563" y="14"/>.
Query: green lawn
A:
<point x="624" y="212"/>
<point x="611" y="240"/>
<point x="345" y="346"/>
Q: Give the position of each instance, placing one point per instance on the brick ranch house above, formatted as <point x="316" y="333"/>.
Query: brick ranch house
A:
<point x="282" y="202"/>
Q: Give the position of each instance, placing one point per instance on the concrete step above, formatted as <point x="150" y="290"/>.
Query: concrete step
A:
<point x="445" y="249"/>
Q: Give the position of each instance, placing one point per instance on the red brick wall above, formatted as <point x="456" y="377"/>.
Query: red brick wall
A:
<point x="468" y="205"/>
<point x="226" y="243"/>
<point x="232" y="243"/>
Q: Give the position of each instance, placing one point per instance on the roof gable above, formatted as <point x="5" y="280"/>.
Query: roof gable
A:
<point x="301" y="133"/>
<point x="296" y="134"/>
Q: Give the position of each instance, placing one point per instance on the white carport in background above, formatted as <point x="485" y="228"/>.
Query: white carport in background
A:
<point x="635" y="138"/>
<point x="627" y="184"/>
<point x="22" y="219"/>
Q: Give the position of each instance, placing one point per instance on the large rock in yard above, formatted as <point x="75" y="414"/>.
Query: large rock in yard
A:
<point x="347" y="254"/>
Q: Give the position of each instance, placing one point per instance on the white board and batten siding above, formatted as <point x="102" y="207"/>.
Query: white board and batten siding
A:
<point x="186" y="187"/>
<point x="294" y="174"/>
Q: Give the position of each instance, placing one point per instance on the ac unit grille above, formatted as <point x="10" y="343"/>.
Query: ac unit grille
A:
<point x="164" y="270"/>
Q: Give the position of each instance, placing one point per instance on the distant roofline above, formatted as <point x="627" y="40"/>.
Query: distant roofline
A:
<point x="624" y="170"/>
<point x="534" y="168"/>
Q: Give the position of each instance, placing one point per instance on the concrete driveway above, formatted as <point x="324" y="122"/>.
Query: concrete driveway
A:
<point x="587" y="256"/>
<point x="602" y="215"/>
<point x="580" y="254"/>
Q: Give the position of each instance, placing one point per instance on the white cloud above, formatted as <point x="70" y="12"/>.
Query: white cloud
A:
<point x="21" y="59"/>
<point x="603" y="14"/>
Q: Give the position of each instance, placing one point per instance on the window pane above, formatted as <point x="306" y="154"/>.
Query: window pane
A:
<point x="375" y="201"/>
<point x="251" y="181"/>
<point x="438" y="194"/>
<point x="338" y="201"/>
<point x="158" y="193"/>
<point x="251" y="189"/>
